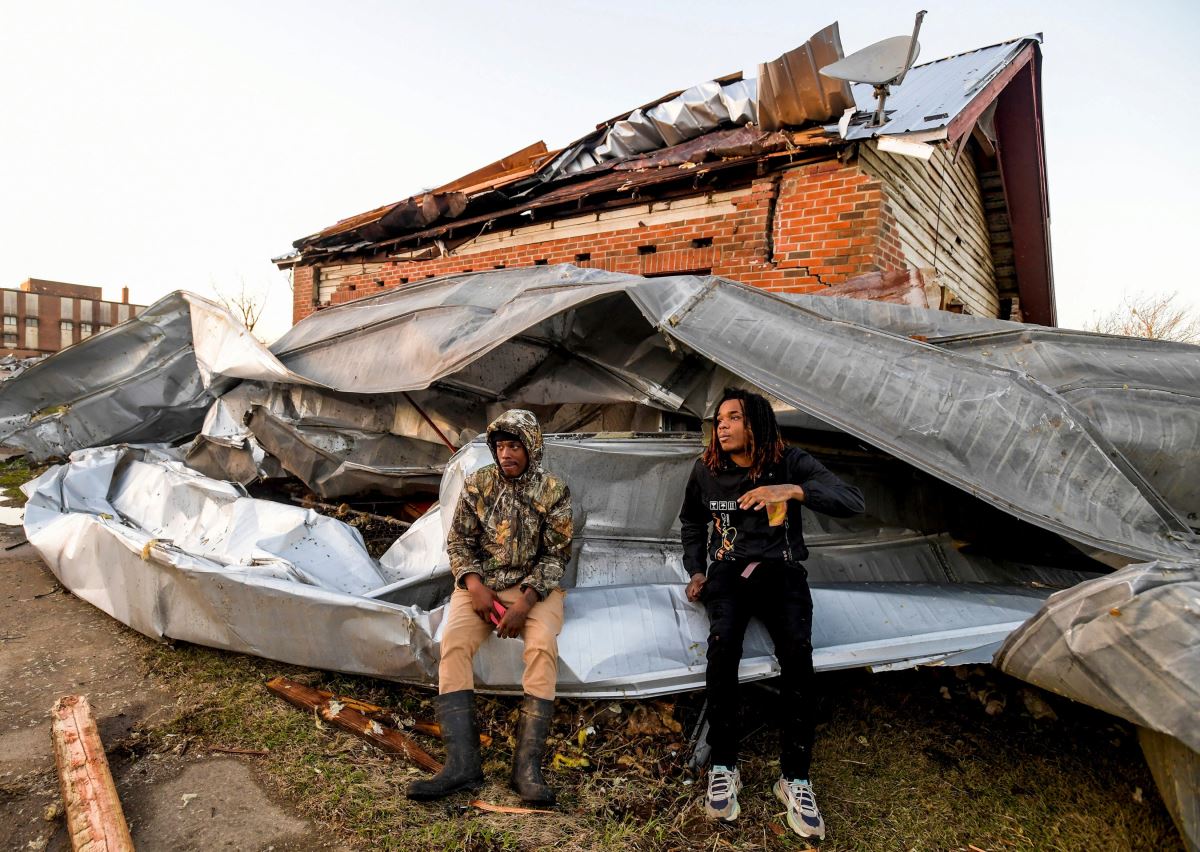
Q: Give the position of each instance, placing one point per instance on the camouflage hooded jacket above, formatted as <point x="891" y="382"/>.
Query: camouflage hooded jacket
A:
<point x="512" y="531"/>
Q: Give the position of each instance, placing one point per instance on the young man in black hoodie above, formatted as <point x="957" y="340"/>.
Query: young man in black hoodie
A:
<point x="750" y="487"/>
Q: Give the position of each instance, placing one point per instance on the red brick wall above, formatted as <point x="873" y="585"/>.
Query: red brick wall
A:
<point x="831" y="222"/>
<point x="60" y="288"/>
<point x="302" y="292"/>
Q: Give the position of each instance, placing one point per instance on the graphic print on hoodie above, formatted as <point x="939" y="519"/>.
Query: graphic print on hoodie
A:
<point x="745" y="535"/>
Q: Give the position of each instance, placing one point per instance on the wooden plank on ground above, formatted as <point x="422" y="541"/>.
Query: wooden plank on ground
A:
<point x="95" y="821"/>
<point x="351" y="720"/>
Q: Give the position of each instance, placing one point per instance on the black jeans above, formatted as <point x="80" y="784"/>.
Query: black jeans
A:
<point x="777" y="594"/>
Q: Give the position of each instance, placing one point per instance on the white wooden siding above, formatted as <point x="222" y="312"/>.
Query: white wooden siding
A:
<point x="956" y="242"/>
<point x="333" y="277"/>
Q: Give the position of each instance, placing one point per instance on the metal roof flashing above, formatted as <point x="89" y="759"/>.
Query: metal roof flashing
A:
<point x="934" y="94"/>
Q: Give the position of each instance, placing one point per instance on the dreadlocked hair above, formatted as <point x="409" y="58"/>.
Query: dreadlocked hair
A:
<point x="763" y="442"/>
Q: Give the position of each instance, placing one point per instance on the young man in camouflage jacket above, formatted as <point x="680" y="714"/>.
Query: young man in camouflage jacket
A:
<point x="509" y="544"/>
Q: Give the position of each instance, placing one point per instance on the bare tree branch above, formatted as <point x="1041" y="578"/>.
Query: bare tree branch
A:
<point x="1155" y="316"/>
<point x="246" y="306"/>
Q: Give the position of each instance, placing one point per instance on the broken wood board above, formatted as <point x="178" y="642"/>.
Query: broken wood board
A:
<point x="505" y="809"/>
<point x="95" y="821"/>
<point x="352" y="720"/>
<point x="385" y="716"/>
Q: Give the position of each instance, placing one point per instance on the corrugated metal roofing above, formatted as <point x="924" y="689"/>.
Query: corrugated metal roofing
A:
<point x="932" y="95"/>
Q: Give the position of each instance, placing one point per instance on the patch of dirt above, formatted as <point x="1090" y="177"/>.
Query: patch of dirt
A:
<point x="53" y="644"/>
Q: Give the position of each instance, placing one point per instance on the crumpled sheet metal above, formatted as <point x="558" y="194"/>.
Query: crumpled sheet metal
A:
<point x="338" y="461"/>
<point x="883" y="599"/>
<point x="151" y="378"/>
<point x="173" y="554"/>
<point x="1142" y="395"/>
<point x="792" y="91"/>
<point x="136" y="382"/>
<point x="563" y="334"/>
<point x="996" y="430"/>
<point x="996" y="433"/>
<point x="12" y="366"/>
<point x="447" y="324"/>
<point x="694" y="112"/>
<point x="1127" y="643"/>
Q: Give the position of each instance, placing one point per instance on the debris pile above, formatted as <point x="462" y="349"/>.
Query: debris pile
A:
<point x="1001" y="463"/>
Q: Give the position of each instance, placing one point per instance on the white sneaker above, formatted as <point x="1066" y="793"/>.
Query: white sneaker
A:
<point x="802" y="813"/>
<point x="721" y="802"/>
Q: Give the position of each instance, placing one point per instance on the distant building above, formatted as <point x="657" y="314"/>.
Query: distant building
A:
<point x="46" y="316"/>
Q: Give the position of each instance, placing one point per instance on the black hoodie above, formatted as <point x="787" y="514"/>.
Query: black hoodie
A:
<point x="744" y="535"/>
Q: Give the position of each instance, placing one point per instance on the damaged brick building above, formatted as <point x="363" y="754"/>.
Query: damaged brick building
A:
<point x="780" y="182"/>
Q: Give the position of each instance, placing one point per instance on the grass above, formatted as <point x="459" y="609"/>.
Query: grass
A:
<point x="907" y="760"/>
<point x="14" y="473"/>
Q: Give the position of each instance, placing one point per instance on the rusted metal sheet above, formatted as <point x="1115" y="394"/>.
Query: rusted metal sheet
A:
<point x="418" y="211"/>
<point x="735" y="142"/>
<point x="791" y="92"/>
<point x="500" y="172"/>
<point x="897" y="286"/>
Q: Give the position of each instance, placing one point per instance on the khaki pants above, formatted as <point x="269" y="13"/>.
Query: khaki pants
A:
<point x="465" y="632"/>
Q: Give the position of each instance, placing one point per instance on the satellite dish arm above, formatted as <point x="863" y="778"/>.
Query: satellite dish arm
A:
<point x="913" y="49"/>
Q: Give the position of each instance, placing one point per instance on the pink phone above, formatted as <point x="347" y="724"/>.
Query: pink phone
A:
<point x="499" y="614"/>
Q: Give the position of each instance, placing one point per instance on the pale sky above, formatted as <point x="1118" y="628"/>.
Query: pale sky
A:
<point x="168" y="145"/>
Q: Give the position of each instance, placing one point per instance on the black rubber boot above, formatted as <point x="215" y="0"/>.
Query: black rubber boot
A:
<point x="460" y="732"/>
<point x="534" y="725"/>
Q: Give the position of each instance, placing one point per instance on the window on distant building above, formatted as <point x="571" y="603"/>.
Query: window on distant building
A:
<point x="85" y="329"/>
<point x="10" y="321"/>
<point x="31" y="322"/>
<point x="104" y="327"/>
<point x="66" y="327"/>
<point x="10" y="341"/>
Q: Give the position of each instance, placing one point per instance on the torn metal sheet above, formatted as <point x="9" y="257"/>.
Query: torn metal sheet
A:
<point x="894" y="589"/>
<point x="550" y="336"/>
<point x="174" y="554"/>
<point x="1142" y="395"/>
<point x="151" y="378"/>
<point x="11" y="366"/>
<point x="1127" y="643"/>
<point x="448" y="324"/>
<point x="135" y="382"/>
<point x="791" y="91"/>
<point x="694" y="112"/>
<point x="993" y="432"/>
<point x="338" y="461"/>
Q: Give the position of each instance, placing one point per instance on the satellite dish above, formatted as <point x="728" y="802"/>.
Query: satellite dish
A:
<point x="882" y="64"/>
